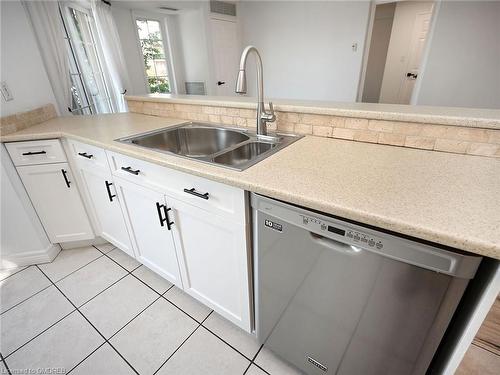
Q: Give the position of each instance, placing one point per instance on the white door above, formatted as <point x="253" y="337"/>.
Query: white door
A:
<point x="148" y="219"/>
<point x="226" y="50"/>
<point x="419" y="36"/>
<point x="106" y="205"/>
<point x="214" y="261"/>
<point x="57" y="201"/>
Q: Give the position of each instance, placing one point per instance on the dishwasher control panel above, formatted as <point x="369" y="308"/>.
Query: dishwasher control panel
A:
<point x="353" y="236"/>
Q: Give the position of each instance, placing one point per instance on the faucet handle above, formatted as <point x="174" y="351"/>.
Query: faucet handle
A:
<point x="271" y="107"/>
<point x="270" y="116"/>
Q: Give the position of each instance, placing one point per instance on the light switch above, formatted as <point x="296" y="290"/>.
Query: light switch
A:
<point x="354" y="47"/>
<point x="7" y="95"/>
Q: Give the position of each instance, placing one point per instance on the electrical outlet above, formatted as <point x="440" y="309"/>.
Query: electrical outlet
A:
<point x="7" y="95"/>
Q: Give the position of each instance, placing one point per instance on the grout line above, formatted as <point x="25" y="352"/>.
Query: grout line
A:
<point x="88" y="321"/>
<point x="135" y="316"/>
<point x="131" y="272"/>
<point x="102" y="291"/>
<point x="78" y="269"/>
<point x="15" y="273"/>
<point x="252" y="361"/>
<point x="187" y="338"/>
<point x="45" y="330"/>
<point x="227" y="343"/>
<point x="192" y="317"/>
<point x="92" y="352"/>
<point x="37" y="266"/>
<point x="24" y="300"/>
<point x="5" y="364"/>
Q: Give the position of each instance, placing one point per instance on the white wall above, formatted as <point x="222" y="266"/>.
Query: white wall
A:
<point x="399" y="48"/>
<point x="194" y="45"/>
<point x="379" y="44"/>
<point x="21" y="65"/>
<point x="462" y="68"/>
<point x="306" y="47"/>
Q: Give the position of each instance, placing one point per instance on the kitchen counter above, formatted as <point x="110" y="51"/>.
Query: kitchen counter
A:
<point x="445" y="198"/>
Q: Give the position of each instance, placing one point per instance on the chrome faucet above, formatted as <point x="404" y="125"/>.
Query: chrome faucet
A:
<point x="263" y="117"/>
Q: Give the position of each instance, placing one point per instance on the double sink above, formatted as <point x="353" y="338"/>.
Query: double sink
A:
<point x="229" y="147"/>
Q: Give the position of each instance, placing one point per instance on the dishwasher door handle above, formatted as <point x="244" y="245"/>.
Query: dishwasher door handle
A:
<point x="334" y="245"/>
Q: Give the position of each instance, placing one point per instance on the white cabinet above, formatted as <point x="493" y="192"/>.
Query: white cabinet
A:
<point x="57" y="201"/>
<point x="149" y="225"/>
<point x="214" y="260"/>
<point x="106" y="206"/>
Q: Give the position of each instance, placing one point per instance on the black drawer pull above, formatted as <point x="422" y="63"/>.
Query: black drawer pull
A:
<point x="64" y="173"/>
<point x="164" y="220"/>
<point x="192" y="191"/>
<point x="85" y="155"/>
<point x="34" y="153"/>
<point x="110" y="196"/>
<point x="130" y="170"/>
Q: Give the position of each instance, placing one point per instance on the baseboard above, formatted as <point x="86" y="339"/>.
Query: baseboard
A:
<point x="75" y="244"/>
<point x="30" y="257"/>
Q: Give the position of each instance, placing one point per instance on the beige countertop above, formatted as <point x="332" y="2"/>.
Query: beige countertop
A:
<point x="445" y="198"/>
<point x="471" y="117"/>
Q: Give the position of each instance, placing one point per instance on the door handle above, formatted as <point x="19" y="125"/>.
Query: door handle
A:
<point x="411" y="75"/>
<point x="64" y="173"/>
<point x="130" y="170"/>
<point x="164" y="220"/>
<point x="334" y="245"/>
<point x="192" y="191"/>
<point x="34" y="153"/>
<point x="219" y="83"/>
<point x="110" y="196"/>
<point x="85" y="155"/>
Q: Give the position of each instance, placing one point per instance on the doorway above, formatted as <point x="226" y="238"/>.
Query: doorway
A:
<point x="397" y="41"/>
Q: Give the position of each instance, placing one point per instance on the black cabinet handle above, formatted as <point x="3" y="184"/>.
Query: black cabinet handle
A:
<point x="85" y="155"/>
<point x="34" y="153"/>
<point x="192" y="191"/>
<point x="164" y="220"/>
<point x="110" y="196"/>
<point x="130" y="170"/>
<point x="64" y="173"/>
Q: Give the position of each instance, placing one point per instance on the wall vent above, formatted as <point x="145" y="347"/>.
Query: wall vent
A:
<point x="195" y="88"/>
<point x="223" y="7"/>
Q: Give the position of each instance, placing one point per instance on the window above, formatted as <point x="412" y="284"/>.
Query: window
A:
<point x="90" y="93"/>
<point x="153" y="53"/>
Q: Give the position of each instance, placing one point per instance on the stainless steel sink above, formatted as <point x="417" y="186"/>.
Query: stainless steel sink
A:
<point x="191" y="141"/>
<point x="229" y="147"/>
<point x="243" y="154"/>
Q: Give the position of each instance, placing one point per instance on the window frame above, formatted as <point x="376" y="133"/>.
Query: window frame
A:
<point x="64" y="9"/>
<point x="144" y="16"/>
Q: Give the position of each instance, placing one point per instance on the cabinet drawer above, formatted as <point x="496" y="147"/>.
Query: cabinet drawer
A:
<point x="36" y="152"/>
<point x="213" y="196"/>
<point x="88" y="155"/>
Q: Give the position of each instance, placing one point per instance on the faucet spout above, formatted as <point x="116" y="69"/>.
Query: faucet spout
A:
<point x="241" y="88"/>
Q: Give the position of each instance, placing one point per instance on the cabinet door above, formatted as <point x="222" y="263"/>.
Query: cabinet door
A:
<point x="106" y="206"/>
<point x="57" y="201"/>
<point x="146" y="216"/>
<point x="214" y="261"/>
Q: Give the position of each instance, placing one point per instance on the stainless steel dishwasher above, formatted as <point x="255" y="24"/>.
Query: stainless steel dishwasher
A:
<point x="333" y="297"/>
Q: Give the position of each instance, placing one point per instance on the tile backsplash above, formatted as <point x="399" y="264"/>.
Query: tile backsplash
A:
<point x="23" y="120"/>
<point x="445" y="138"/>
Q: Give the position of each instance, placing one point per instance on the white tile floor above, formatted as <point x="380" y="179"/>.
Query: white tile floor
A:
<point x="95" y="310"/>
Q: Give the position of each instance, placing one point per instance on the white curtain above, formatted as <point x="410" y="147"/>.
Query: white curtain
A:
<point x="48" y="28"/>
<point x="113" y="56"/>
